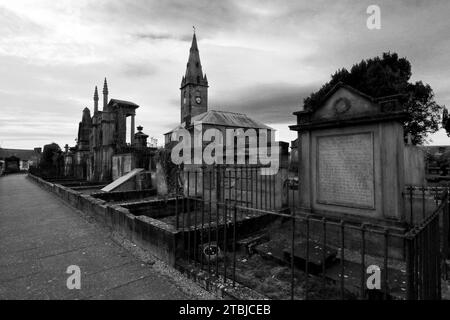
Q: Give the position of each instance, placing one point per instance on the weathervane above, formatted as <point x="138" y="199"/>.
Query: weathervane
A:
<point x="193" y="27"/>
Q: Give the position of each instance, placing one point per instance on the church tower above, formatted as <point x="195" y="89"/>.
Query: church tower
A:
<point x="194" y="86"/>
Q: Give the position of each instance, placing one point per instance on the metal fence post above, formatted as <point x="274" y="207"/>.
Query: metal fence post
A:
<point x="410" y="257"/>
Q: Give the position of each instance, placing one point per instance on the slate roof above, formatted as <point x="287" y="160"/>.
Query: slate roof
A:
<point x="19" y="153"/>
<point x="226" y="119"/>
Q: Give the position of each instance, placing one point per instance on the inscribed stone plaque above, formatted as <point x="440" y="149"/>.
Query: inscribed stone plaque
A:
<point x="345" y="170"/>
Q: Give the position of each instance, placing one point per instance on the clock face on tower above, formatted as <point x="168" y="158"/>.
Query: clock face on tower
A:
<point x="198" y="100"/>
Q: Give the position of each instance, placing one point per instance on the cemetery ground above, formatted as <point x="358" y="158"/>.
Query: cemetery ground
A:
<point x="40" y="236"/>
<point x="33" y="266"/>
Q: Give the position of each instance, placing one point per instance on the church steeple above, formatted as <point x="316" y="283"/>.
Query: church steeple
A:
<point x="194" y="72"/>
<point x="194" y="85"/>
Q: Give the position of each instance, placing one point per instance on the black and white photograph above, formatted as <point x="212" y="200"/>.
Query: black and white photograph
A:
<point x="224" y="155"/>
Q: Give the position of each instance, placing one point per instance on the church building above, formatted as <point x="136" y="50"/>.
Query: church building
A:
<point x="194" y="104"/>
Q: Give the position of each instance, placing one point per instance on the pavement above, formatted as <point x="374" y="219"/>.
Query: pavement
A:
<point x="41" y="236"/>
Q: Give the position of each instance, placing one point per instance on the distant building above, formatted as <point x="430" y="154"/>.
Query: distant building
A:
<point x="437" y="159"/>
<point x="15" y="160"/>
<point x="436" y="151"/>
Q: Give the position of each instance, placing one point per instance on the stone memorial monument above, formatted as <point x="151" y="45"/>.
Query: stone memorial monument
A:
<point x="351" y="157"/>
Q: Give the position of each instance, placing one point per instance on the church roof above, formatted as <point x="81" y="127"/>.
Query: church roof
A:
<point x="230" y="119"/>
<point x="226" y="119"/>
<point x="19" y="153"/>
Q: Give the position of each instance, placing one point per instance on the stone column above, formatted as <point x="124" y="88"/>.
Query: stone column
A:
<point x="132" y="130"/>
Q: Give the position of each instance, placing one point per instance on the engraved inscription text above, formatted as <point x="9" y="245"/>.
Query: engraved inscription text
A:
<point x="345" y="170"/>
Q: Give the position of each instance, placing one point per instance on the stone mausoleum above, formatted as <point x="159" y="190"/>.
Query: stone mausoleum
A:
<point x="102" y="153"/>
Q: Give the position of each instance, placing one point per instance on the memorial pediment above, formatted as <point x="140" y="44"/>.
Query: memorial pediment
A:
<point x="344" y="105"/>
<point x="345" y="101"/>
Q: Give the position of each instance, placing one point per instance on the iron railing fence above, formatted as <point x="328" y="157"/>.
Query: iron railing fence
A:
<point x="420" y="202"/>
<point x="222" y="205"/>
<point x="427" y="250"/>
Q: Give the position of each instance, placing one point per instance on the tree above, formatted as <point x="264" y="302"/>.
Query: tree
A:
<point x="384" y="76"/>
<point x="49" y="154"/>
<point x="446" y="121"/>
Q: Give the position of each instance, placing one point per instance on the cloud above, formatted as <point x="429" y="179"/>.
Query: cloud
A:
<point x="269" y="102"/>
<point x="261" y="57"/>
<point x="139" y="69"/>
<point x="163" y="36"/>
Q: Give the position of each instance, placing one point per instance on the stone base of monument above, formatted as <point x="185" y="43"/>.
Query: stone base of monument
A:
<point x="349" y="218"/>
<point x="317" y="259"/>
<point x="272" y="250"/>
<point x="278" y="252"/>
<point x="248" y="244"/>
<point x="374" y="241"/>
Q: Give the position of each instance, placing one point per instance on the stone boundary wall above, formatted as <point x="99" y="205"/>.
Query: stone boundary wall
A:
<point x="415" y="165"/>
<point x="159" y="238"/>
<point x="124" y="195"/>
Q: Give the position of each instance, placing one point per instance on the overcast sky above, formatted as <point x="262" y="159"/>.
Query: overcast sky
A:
<point x="261" y="57"/>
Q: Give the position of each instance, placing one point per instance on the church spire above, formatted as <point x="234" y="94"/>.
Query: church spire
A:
<point x="194" y="72"/>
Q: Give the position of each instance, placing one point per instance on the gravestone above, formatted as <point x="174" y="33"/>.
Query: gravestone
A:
<point x="351" y="156"/>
